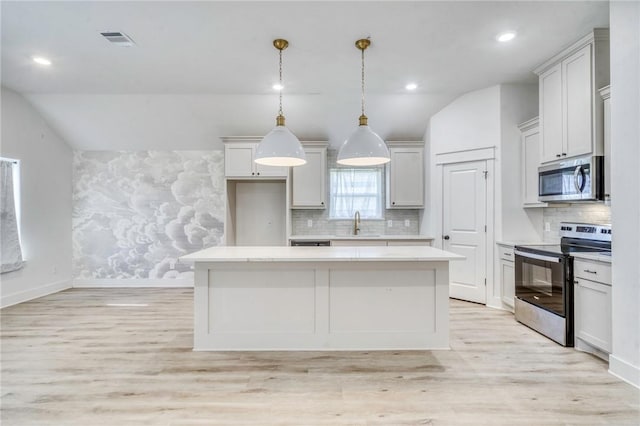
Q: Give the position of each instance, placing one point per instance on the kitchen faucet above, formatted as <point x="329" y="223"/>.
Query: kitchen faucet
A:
<point x="356" y="223"/>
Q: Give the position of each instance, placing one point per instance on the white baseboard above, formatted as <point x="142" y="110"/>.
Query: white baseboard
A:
<point x="624" y="371"/>
<point x="34" y="293"/>
<point x="119" y="283"/>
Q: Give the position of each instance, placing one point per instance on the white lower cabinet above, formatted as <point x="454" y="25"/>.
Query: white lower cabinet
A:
<point x="592" y="307"/>
<point x="507" y="274"/>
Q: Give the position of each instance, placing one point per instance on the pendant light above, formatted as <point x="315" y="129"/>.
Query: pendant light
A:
<point x="280" y="147"/>
<point x="364" y="147"/>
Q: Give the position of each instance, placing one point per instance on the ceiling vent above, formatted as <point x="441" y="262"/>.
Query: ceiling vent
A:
<point x="118" y="38"/>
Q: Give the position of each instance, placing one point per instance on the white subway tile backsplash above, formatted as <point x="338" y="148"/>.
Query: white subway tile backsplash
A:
<point x="589" y="213"/>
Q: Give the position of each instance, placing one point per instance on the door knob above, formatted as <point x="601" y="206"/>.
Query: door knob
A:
<point x="446" y="237"/>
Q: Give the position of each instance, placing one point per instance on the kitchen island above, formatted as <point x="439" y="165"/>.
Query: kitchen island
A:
<point x="321" y="298"/>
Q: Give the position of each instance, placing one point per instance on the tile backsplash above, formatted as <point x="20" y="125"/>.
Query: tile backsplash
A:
<point x="589" y="213"/>
<point x="322" y="225"/>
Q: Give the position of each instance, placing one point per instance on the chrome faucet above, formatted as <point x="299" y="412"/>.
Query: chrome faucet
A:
<point x="356" y="223"/>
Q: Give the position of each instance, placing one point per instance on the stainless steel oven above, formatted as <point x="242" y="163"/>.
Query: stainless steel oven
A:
<point x="544" y="292"/>
<point x="577" y="179"/>
<point x="544" y="279"/>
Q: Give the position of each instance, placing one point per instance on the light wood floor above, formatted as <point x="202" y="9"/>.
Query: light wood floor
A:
<point x="69" y="359"/>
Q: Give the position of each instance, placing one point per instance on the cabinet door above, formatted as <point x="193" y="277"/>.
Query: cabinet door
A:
<point x="530" y="163"/>
<point x="238" y="160"/>
<point x="309" y="181"/>
<point x="405" y="183"/>
<point x="508" y="282"/>
<point x="551" y="114"/>
<point x="271" y="171"/>
<point x="593" y="313"/>
<point x="578" y="101"/>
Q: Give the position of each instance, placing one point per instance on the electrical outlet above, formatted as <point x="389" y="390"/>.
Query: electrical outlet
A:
<point x="407" y="223"/>
<point x="309" y="223"/>
<point x="172" y="264"/>
<point x="389" y="223"/>
<point x="547" y="227"/>
<point x="54" y="270"/>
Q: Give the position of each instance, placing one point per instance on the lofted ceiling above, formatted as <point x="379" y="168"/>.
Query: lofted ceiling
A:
<point x="201" y="70"/>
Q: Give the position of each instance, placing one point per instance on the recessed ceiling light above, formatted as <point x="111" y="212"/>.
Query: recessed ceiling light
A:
<point x="42" y="61"/>
<point x="506" y="36"/>
<point x="411" y="86"/>
<point x="278" y="86"/>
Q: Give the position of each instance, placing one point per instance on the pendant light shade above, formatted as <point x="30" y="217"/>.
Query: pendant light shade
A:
<point x="364" y="147"/>
<point x="280" y="147"/>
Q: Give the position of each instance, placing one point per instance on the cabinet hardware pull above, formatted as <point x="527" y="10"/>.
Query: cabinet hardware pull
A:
<point x="252" y="173"/>
<point x="564" y="153"/>
<point x="393" y="203"/>
<point x="558" y="155"/>
<point x="507" y="254"/>
<point x="322" y="202"/>
<point x="590" y="272"/>
<point x="258" y="173"/>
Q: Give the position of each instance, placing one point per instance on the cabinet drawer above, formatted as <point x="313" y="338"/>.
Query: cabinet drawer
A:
<point x="594" y="271"/>
<point x="505" y="253"/>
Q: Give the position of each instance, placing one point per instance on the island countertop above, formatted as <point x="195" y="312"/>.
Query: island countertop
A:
<point x="320" y="254"/>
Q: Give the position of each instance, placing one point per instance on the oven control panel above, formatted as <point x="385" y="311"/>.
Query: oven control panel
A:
<point x="589" y="231"/>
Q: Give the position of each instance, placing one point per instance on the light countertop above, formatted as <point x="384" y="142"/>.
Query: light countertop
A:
<point x="512" y="243"/>
<point x="360" y="237"/>
<point x="592" y="256"/>
<point x="320" y="254"/>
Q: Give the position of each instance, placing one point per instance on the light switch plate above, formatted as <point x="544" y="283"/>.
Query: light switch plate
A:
<point x="547" y="227"/>
<point x="407" y="223"/>
<point x="389" y="223"/>
<point x="309" y="223"/>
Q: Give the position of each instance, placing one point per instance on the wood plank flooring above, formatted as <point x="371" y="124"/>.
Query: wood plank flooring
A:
<point x="71" y="359"/>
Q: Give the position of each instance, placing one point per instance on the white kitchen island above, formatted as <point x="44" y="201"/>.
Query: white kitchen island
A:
<point x="321" y="298"/>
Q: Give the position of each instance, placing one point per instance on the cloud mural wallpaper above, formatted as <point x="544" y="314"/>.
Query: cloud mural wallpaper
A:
<point x="135" y="213"/>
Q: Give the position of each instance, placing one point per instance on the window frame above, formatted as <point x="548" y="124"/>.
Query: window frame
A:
<point x="376" y="194"/>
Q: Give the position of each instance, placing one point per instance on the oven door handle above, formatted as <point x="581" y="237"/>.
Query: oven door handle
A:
<point x="538" y="256"/>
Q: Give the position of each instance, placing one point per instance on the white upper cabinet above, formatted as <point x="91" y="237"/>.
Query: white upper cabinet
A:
<point x="239" y="153"/>
<point x="570" y="107"/>
<point x="530" y="139"/>
<point x="309" y="182"/>
<point x="405" y="175"/>
<point x="578" y="98"/>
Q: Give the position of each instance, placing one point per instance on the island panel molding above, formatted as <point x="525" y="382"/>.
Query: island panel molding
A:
<point x="321" y="298"/>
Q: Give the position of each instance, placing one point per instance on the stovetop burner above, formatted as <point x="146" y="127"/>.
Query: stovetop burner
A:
<point x="576" y="238"/>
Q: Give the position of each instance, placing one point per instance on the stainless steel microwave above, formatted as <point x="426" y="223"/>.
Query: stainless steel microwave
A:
<point x="571" y="180"/>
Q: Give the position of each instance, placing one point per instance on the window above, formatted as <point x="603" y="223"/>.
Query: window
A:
<point x="354" y="190"/>
<point x="10" y="215"/>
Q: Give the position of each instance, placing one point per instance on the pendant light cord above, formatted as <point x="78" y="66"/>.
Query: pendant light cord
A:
<point x="280" y="110"/>
<point x="362" y="51"/>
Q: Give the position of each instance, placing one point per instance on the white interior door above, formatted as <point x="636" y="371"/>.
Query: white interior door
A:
<point x="464" y="210"/>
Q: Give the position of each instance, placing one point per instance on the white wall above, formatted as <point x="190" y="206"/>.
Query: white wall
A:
<point x="469" y="122"/>
<point x="46" y="202"/>
<point x="518" y="103"/>
<point x="625" y="188"/>
<point x="481" y="119"/>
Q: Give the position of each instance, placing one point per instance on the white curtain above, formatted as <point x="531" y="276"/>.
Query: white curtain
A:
<point x="10" y="250"/>
<point x="355" y="190"/>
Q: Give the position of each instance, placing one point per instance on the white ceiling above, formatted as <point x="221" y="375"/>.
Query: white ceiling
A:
<point x="201" y="70"/>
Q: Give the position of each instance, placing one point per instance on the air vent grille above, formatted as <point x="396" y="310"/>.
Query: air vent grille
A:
<point x="118" y="38"/>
